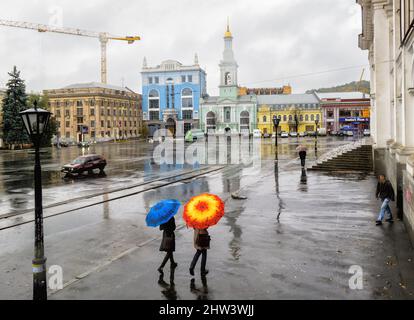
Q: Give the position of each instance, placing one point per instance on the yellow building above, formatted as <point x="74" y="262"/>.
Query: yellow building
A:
<point x="243" y="91"/>
<point x="96" y="111"/>
<point x="297" y="112"/>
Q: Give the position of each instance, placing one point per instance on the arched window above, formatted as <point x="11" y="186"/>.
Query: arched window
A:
<point x="307" y="117"/>
<point x="285" y="118"/>
<point x="290" y="118"/>
<point x="153" y="99"/>
<point x="264" y="119"/>
<point x="317" y="117"/>
<point x="187" y="98"/>
<point x="312" y="117"/>
<point x="301" y="117"/>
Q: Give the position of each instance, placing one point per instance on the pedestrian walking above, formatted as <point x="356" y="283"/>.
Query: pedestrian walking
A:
<point x="201" y="244"/>
<point x="386" y="193"/>
<point x="302" y="154"/>
<point x="168" y="244"/>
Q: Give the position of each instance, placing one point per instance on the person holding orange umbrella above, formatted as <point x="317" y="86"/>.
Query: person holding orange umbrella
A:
<point x="200" y="213"/>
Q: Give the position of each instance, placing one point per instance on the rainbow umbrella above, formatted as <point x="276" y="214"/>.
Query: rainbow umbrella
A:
<point x="203" y="211"/>
<point x="161" y="212"/>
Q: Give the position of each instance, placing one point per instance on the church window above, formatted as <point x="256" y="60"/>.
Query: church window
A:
<point x="183" y="79"/>
<point x="150" y="80"/>
<point x="190" y="78"/>
<point x="227" y="115"/>
<point x="156" y="80"/>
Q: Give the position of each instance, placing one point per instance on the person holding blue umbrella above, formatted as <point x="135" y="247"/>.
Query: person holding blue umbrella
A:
<point x="162" y="215"/>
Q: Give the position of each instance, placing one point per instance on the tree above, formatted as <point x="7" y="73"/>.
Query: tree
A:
<point x="14" y="102"/>
<point x="52" y="128"/>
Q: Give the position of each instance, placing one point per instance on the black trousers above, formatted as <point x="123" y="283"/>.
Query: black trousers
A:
<point x="302" y="156"/>
<point x="168" y="256"/>
<point x="203" y="259"/>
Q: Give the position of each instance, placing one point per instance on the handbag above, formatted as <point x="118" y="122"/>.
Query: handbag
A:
<point x="203" y="240"/>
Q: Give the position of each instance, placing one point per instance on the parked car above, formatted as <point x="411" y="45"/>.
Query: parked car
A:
<point x="311" y="133"/>
<point x="333" y="133"/>
<point x="367" y="132"/>
<point x="301" y="134"/>
<point x="322" y="132"/>
<point x="257" y="133"/>
<point x="198" y="134"/>
<point x="83" y="144"/>
<point x="85" y="163"/>
<point x="273" y="135"/>
<point x="293" y="134"/>
<point x="284" y="134"/>
<point x="266" y="135"/>
<point x="350" y="133"/>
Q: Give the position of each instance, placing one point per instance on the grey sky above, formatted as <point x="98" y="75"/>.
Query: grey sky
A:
<point x="273" y="39"/>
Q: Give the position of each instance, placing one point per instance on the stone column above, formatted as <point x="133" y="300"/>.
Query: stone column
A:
<point x="381" y="58"/>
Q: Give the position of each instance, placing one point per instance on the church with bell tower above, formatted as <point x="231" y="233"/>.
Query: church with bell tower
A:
<point x="230" y="112"/>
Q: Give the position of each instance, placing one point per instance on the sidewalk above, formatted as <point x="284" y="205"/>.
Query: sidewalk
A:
<point x="325" y="226"/>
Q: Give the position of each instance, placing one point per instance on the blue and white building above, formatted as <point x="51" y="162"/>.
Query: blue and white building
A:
<point x="171" y="92"/>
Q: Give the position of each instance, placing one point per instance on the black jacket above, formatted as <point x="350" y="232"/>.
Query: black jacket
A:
<point x="385" y="190"/>
<point x="168" y="227"/>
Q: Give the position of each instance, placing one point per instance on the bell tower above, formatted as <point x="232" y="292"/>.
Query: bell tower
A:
<point x="228" y="68"/>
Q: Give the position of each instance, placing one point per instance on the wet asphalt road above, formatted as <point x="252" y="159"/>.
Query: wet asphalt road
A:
<point x="325" y="226"/>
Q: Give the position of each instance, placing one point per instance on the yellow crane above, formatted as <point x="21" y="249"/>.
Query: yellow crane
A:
<point x="102" y="36"/>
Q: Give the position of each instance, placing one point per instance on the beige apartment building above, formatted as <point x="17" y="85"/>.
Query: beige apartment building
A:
<point x="95" y="112"/>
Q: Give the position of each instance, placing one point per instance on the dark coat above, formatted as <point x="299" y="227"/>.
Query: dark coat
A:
<point x="385" y="191"/>
<point x="302" y="154"/>
<point x="168" y="231"/>
<point x="196" y="233"/>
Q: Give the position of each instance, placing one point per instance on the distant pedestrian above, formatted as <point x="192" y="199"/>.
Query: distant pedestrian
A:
<point x="168" y="243"/>
<point x="201" y="244"/>
<point x="302" y="154"/>
<point x="386" y="193"/>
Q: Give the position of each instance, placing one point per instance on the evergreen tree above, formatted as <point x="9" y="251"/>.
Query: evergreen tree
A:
<point x="52" y="128"/>
<point x="14" y="102"/>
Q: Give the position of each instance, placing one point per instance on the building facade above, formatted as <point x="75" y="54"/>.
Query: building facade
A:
<point x="345" y="111"/>
<point x="95" y="112"/>
<point x="2" y="93"/>
<point x="297" y="112"/>
<point x="230" y="112"/>
<point x="388" y="35"/>
<point x="171" y="92"/>
<point x="265" y="91"/>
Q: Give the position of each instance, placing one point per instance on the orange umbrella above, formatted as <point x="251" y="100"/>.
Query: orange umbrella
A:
<point x="203" y="211"/>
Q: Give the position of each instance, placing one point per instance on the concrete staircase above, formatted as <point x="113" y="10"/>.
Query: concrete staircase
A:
<point x="356" y="157"/>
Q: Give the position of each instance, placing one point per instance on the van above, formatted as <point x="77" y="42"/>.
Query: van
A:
<point x="257" y="133"/>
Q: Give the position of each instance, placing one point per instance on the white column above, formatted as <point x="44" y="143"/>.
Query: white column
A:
<point x="382" y="114"/>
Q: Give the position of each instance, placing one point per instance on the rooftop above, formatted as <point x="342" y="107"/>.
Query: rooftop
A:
<point x="342" y="95"/>
<point x="95" y="85"/>
<point x="287" y="99"/>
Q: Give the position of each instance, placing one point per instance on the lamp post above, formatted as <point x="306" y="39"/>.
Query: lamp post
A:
<point x="35" y="121"/>
<point x="316" y="136"/>
<point x="276" y="122"/>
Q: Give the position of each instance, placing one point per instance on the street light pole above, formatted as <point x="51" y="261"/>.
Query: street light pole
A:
<point x="276" y="122"/>
<point x="36" y="121"/>
<point x="316" y="136"/>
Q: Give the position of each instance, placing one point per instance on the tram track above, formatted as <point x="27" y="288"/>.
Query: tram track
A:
<point x="15" y="219"/>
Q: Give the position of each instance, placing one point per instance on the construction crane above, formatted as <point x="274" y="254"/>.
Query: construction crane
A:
<point x="102" y="36"/>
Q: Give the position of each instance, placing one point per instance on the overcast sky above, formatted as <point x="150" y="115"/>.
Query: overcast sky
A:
<point x="275" y="42"/>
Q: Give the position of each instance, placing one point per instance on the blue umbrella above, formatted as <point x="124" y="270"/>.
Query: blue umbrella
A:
<point x="162" y="212"/>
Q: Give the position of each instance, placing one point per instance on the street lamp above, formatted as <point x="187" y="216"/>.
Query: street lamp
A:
<point x="35" y="121"/>
<point x="316" y="135"/>
<point x="276" y="122"/>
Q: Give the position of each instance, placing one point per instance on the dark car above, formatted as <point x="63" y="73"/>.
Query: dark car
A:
<point x="85" y="163"/>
